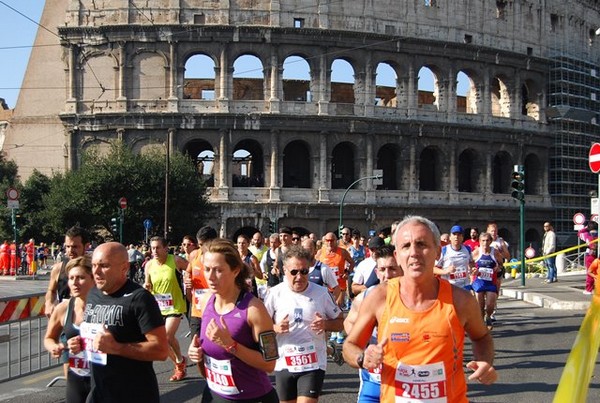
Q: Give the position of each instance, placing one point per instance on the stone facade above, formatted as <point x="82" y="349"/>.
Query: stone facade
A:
<point x="120" y="73"/>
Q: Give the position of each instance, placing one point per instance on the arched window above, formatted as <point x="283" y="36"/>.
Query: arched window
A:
<point x="296" y="165"/>
<point x="247" y="165"/>
<point x="385" y="86"/>
<point x="248" y="78"/>
<point x="430" y="170"/>
<point x="388" y="160"/>
<point x="199" y="78"/>
<point x="342" y="166"/>
<point x="501" y="172"/>
<point x="342" y="82"/>
<point x="296" y="80"/>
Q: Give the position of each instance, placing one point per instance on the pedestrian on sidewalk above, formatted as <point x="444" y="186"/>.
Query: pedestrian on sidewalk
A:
<point x="588" y="235"/>
<point x="548" y="248"/>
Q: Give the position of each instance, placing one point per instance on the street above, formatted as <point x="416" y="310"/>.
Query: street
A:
<point x="532" y="345"/>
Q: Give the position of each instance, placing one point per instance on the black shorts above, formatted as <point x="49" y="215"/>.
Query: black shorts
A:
<point x="290" y="385"/>
<point x="173" y="315"/>
<point x="209" y="397"/>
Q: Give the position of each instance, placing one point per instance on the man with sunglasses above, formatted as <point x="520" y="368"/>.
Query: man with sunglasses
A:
<point x="302" y="311"/>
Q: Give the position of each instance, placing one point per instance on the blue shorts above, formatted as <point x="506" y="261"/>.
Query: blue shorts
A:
<point x="480" y="285"/>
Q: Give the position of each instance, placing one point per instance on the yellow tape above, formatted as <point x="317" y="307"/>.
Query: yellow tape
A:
<point x="540" y="258"/>
<point x="575" y="380"/>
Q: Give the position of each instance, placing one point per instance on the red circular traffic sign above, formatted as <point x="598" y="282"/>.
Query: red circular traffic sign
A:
<point x="594" y="159"/>
<point x="530" y="253"/>
<point x="12" y="194"/>
<point x="123" y="203"/>
<point x="578" y="219"/>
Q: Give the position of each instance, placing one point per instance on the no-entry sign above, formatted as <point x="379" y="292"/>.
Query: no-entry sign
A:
<point x="123" y="203"/>
<point x="595" y="158"/>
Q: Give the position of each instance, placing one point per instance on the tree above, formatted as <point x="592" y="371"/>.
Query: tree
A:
<point x="31" y="224"/>
<point x="8" y="178"/>
<point x="89" y="195"/>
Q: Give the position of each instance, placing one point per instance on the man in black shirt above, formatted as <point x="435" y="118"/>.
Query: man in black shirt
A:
<point x="123" y="332"/>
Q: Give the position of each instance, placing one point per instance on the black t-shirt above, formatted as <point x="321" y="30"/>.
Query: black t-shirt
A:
<point x="129" y="313"/>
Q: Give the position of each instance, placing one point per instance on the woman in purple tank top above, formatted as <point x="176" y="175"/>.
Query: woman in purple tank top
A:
<point x="228" y="349"/>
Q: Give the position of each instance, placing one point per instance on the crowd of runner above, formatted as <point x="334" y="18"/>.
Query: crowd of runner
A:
<point x="396" y="305"/>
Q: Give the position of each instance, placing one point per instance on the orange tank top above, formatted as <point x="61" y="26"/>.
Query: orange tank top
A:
<point x="334" y="260"/>
<point x="423" y="358"/>
<point x="199" y="284"/>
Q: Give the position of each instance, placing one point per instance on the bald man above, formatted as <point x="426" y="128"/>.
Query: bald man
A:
<point x="123" y="332"/>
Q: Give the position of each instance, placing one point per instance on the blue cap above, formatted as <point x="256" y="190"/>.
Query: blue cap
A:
<point x="456" y="228"/>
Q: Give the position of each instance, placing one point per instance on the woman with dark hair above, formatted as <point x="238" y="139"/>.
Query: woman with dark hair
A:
<point x="236" y="342"/>
<point x="66" y="318"/>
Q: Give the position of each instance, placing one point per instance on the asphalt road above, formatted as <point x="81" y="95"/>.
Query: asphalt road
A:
<point x="532" y="345"/>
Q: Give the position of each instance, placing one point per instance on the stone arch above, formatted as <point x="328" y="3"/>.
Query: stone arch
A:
<point x="98" y="76"/>
<point x="296" y="79"/>
<point x="430" y="169"/>
<point x="342" y="82"/>
<point x="296" y="165"/>
<point x="248" y="78"/>
<point x="388" y="160"/>
<point x="247" y="164"/>
<point x="428" y="87"/>
<point x="500" y="97"/>
<point x="502" y="168"/>
<point x="199" y="77"/>
<point x="149" y="75"/>
<point x="533" y="238"/>
<point x="533" y="175"/>
<point x="470" y="172"/>
<point x="530" y="99"/>
<point x="343" y="165"/>
<point x="385" y="85"/>
<point x="249" y="231"/>
<point x="468" y="95"/>
<point x="202" y="154"/>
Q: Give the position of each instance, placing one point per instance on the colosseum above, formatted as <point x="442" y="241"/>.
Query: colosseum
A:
<point x="285" y="104"/>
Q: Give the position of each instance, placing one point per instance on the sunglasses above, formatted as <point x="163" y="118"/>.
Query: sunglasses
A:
<point x="295" y="239"/>
<point x="294" y="272"/>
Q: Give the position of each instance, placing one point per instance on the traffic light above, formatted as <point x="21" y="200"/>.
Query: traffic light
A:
<point x="272" y="227"/>
<point x="114" y="225"/>
<point x="517" y="183"/>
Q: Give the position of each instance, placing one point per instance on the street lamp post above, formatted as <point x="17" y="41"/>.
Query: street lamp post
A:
<point x="346" y="192"/>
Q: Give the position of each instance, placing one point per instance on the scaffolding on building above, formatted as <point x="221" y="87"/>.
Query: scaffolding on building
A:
<point x="573" y="105"/>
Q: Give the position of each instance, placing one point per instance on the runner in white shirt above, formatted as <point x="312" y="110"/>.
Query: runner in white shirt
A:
<point x="455" y="262"/>
<point x="365" y="274"/>
<point x="302" y="312"/>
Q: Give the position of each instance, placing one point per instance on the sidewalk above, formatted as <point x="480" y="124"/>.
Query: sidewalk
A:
<point x="565" y="294"/>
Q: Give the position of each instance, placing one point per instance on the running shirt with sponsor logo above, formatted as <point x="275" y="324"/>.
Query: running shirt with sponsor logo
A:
<point x="302" y="349"/>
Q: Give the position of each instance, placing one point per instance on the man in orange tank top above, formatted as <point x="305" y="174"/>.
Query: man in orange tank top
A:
<point x="421" y="324"/>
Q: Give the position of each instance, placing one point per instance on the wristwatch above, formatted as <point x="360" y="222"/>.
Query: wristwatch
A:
<point x="360" y="359"/>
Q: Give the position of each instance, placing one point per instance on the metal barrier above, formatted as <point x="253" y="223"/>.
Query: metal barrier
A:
<point x="22" y="334"/>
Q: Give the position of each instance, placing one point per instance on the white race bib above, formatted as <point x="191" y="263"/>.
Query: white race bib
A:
<point x="421" y="383"/>
<point x="88" y="332"/>
<point x="486" y="274"/>
<point x="300" y="357"/>
<point x="164" y="301"/>
<point x="219" y="376"/>
<point x="79" y="364"/>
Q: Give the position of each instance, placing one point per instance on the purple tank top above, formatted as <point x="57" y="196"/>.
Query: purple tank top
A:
<point x="250" y="381"/>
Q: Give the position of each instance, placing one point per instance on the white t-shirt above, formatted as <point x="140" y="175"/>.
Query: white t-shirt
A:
<point x="460" y="259"/>
<point x="363" y="271"/>
<point x="301" y="308"/>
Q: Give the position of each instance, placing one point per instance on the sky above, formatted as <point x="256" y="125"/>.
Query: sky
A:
<point x="17" y="35"/>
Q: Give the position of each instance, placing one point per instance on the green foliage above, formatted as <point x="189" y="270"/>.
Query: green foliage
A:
<point x="89" y="196"/>
<point x="8" y="178"/>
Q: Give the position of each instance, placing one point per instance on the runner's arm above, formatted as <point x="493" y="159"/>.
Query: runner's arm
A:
<point x="368" y="316"/>
<point x="54" y="329"/>
<point x="353" y="314"/>
<point x="51" y="292"/>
